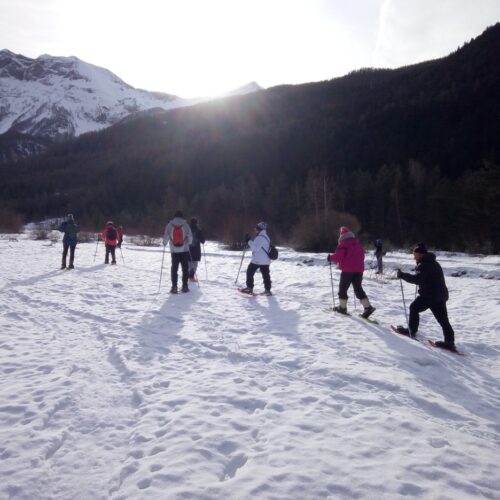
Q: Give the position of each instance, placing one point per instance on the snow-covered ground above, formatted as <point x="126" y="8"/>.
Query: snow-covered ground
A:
<point x="109" y="389"/>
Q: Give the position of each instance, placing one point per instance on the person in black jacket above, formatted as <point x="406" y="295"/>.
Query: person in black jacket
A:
<point x="432" y="294"/>
<point x="195" y="247"/>
<point x="379" y="252"/>
<point x="70" y="229"/>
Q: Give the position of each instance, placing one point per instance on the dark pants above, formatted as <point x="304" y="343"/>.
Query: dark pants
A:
<point x="345" y="282"/>
<point x="380" y="265"/>
<point x="71" y="247"/>
<point x="440" y="312"/>
<point x="181" y="258"/>
<point x="110" y="249"/>
<point x="266" y="275"/>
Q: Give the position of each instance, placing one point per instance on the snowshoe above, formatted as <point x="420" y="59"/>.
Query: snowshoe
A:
<point x="184" y="289"/>
<point x="445" y="345"/>
<point x="268" y="293"/>
<point x="246" y="290"/>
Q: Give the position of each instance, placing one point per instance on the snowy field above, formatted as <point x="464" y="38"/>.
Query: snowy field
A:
<point x="109" y="389"/>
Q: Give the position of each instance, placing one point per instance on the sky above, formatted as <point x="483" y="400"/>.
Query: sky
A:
<point x="194" y="48"/>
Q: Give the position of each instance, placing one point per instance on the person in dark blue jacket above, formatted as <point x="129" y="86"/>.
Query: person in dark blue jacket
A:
<point x="70" y="229"/>
<point x="195" y="247"/>
<point x="432" y="294"/>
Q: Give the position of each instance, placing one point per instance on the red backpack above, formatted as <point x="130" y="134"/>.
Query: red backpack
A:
<point x="177" y="236"/>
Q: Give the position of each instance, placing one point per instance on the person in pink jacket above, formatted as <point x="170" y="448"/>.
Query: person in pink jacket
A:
<point x="350" y="258"/>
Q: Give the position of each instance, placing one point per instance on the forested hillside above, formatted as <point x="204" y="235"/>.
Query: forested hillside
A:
<point x="404" y="155"/>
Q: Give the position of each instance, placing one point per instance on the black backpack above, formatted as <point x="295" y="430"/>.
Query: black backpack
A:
<point x="273" y="251"/>
<point x="112" y="234"/>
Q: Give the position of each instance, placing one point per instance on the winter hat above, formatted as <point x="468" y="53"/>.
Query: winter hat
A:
<point x="344" y="230"/>
<point x="261" y="225"/>
<point x="109" y="222"/>
<point x="420" y="248"/>
<point x="179" y="214"/>
<point x="70" y="216"/>
<point x="194" y="220"/>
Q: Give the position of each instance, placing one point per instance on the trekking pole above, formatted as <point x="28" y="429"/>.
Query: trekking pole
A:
<point x="241" y="263"/>
<point x="331" y="281"/>
<point x="205" y="259"/>
<point x="121" y="253"/>
<point x="404" y="303"/>
<point x="97" y="244"/>
<point x="161" y="272"/>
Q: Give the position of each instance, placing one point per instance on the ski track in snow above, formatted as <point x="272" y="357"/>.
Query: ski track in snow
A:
<point x="110" y="389"/>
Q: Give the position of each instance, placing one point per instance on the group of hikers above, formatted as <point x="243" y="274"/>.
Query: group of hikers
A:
<point x="185" y="241"/>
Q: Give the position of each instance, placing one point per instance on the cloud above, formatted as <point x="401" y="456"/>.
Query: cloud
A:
<point x="411" y="32"/>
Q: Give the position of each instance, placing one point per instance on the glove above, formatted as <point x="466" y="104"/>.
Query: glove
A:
<point x="399" y="273"/>
<point x="247" y="237"/>
<point x="329" y="258"/>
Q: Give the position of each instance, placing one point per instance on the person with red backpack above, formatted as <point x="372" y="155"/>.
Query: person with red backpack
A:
<point x="110" y="237"/>
<point x="179" y="236"/>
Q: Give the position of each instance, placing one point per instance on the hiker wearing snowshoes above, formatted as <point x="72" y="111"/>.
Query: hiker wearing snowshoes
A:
<point x="350" y="257"/>
<point x="379" y="252"/>
<point x="432" y="294"/>
<point x="179" y="236"/>
<point x="70" y="229"/>
<point x="195" y="247"/>
<point x="260" y="246"/>
<point x="110" y="237"/>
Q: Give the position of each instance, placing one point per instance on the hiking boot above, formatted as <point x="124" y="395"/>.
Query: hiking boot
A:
<point x="247" y="290"/>
<point x="404" y="331"/>
<point x="184" y="289"/>
<point x="71" y="266"/>
<point x="446" y="345"/>
<point x="63" y="266"/>
<point x="114" y="262"/>
<point x="268" y="293"/>
<point x="368" y="312"/>
<point x="173" y="289"/>
<point x="341" y="310"/>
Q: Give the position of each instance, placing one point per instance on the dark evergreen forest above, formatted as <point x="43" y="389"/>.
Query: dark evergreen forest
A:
<point x="403" y="155"/>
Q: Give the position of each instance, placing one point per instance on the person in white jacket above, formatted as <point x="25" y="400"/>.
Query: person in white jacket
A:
<point x="260" y="258"/>
<point x="179" y="236"/>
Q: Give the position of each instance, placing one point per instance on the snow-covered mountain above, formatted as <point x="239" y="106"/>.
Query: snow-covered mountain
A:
<point x="51" y="98"/>
<point x="64" y="96"/>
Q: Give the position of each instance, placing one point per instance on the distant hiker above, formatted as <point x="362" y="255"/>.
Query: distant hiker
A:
<point x="119" y="231"/>
<point x="195" y="247"/>
<point x="70" y="229"/>
<point x="178" y="235"/>
<point x="432" y="294"/>
<point x="350" y="257"/>
<point x="110" y="236"/>
<point x="260" y="246"/>
<point x="379" y="252"/>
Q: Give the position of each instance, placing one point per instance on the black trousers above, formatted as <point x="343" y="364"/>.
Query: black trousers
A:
<point x="181" y="258"/>
<point x="71" y="248"/>
<point x="345" y="282"/>
<point x="266" y="275"/>
<point x="440" y="312"/>
<point x="110" y="249"/>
